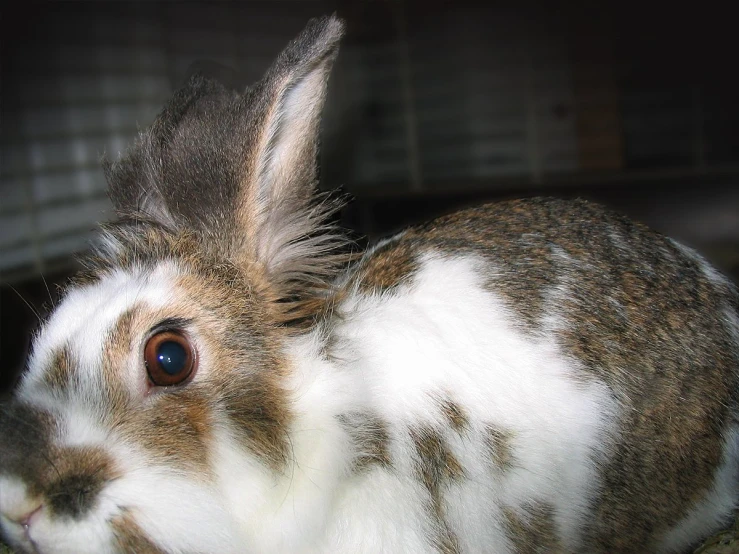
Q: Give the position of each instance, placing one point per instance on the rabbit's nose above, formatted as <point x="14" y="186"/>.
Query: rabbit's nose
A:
<point x="74" y="495"/>
<point x="80" y="474"/>
<point x="25" y="518"/>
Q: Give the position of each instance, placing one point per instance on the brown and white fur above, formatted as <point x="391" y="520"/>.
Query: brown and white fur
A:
<point x="529" y="376"/>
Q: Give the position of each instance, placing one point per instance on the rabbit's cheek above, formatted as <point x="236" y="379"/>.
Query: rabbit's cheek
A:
<point x="172" y="428"/>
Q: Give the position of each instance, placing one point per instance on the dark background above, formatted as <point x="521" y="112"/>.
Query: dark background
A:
<point x="432" y="106"/>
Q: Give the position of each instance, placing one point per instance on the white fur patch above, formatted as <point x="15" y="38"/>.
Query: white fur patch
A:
<point x="177" y="512"/>
<point x="443" y="336"/>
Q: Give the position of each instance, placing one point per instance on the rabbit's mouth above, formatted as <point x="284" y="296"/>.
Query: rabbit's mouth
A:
<point x="18" y="518"/>
<point x="21" y="531"/>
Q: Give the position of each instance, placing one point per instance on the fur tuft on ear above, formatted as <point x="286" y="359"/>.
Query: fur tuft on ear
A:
<point x="239" y="171"/>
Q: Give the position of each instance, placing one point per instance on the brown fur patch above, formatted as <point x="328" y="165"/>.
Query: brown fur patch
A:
<point x="454" y="414"/>
<point x="648" y="323"/>
<point x="437" y="468"/>
<point x="87" y="275"/>
<point x="76" y="478"/>
<point x="67" y="480"/>
<point x="436" y="463"/>
<point x="120" y="342"/>
<point x="59" y="373"/>
<point x="120" y="339"/>
<point x="173" y="426"/>
<point x="506" y="235"/>
<point x="498" y="443"/>
<point x="256" y="409"/>
<point x="248" y="381"/>
<point x="370" y="438"/>
<point x="130" y="538"/>
<point x="534" y="531"/>
<point x="387" y="267"/>
<point x="446" y="542"/>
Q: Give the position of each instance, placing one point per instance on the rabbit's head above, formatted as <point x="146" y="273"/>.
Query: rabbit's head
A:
<point x="159" y="377"/>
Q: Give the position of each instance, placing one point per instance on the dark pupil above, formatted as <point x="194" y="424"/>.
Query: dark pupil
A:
<point x="172" y="357"/>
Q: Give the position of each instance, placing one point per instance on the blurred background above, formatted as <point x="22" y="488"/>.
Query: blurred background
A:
<point x="432" y="106"/>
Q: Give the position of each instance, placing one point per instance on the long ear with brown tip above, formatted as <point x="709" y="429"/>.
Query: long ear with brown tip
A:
<point x="239" y="171"/>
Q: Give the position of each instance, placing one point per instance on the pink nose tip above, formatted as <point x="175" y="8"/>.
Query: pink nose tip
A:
<point x="26" y="519"/>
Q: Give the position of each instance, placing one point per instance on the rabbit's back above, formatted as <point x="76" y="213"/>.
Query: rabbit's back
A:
<point x="549" y="373"/>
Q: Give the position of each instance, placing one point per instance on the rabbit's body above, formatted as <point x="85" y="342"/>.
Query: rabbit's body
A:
<point x="503" y="392"/>
<point x="528" y="376"/>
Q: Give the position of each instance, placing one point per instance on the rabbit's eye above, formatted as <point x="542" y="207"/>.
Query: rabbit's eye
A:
<point x="169" y="358"/>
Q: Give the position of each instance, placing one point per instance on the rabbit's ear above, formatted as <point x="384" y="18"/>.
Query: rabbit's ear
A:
<point x="293" y="92"/>
<point x="215" y="150"/>
<point x="239" y="169"/>
<point x="283" y="164"/>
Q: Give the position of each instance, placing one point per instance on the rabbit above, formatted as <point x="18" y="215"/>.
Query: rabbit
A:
<point x="227" y="375"/>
